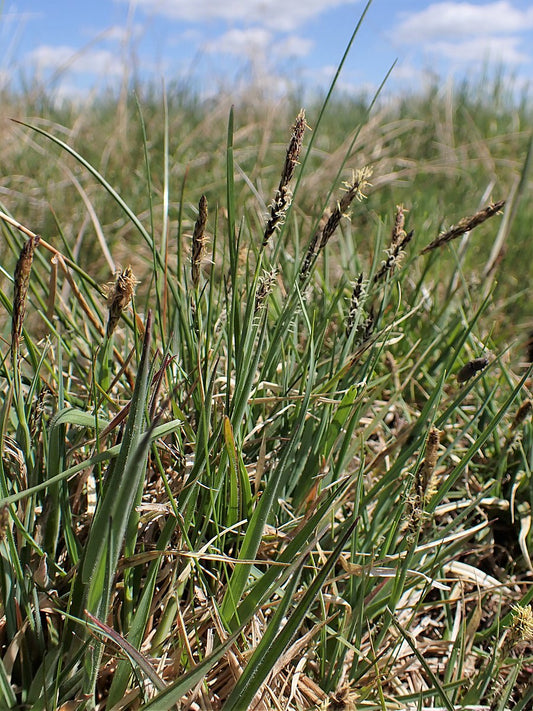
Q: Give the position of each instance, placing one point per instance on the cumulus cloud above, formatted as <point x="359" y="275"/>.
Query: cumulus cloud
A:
<point x="500" y="49"/>
<point x="294" y="46"/>
<point x="256" y="40"/>
<point x="468" y="33"/>
<point x="278" y="15"/>
<point x="453" y="20"/>
<point x="242" y="43"/>
<point x="65" y="58"/>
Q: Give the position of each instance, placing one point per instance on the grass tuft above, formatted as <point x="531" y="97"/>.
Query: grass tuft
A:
<point x="282" y="476"/>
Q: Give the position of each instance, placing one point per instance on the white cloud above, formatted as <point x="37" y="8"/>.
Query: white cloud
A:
<point x="462" y="19"/>
<point x="240" y="42"/>
<point x="69" y="93"/>
<point x="255" y="41"/>
<point x="278" y="15"/>
<point x="294" y="46"/>
<point x="64" y="58"/>
<point x="499" y="49"/>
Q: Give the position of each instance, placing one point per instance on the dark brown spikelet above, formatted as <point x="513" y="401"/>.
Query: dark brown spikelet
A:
<point x="283" y="196"/>
<point x="398" y="231"/>
<point x="394" y="255"/>
<point x="471" y="368"/>
<point x="119" y="296"/>
<point x="198" y="241"/>
<point x="22" y="281"/>
<point x="523" y="411"/>
<point x="355" y="303"/>
<point x="353" y="189"/>
<point x="465" y="225"/>
<point x="399" y="240"/>
<point x="264" y="288"/>
<point x="369" y="325"/>
<point x="424" y="485"/>
<point x="425" y="476"/>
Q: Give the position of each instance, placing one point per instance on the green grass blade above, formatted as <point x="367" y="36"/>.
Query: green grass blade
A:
<point x="278" y="635"/>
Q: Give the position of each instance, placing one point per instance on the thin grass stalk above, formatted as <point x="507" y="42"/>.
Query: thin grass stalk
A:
<point x="517" y="193"/>
<point x="280" y="631"/>
<point x="165" y="221"/>
<point x="327" y="99"/>
<point x="466" y="224"/>
<point x="261" y="513"/>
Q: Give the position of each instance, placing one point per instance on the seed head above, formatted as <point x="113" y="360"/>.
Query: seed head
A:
<point x="264" y="288"/>
<point x="355" y="303"/>
<point x="198" y="240"/>
<point x="398" y="232"/>
<point x="352" y="189"/>
<point x="22" y="281"/>
<point x="465" y="225"/>
<point x="470" y="369"/>
<point x="424" y="484"/>
<point x="283" y="197"/>
<point x="120" y="293"/>
<point x="522" y="624"/>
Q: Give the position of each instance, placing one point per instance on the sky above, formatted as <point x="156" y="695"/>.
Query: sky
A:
<point x="78" y="47"/>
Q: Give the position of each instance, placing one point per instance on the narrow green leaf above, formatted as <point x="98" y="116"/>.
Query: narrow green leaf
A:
<point x="275" y="640"/>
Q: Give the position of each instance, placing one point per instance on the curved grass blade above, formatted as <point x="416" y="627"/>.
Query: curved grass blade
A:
<point x="276" y="640"/>
<point x="155" y="433"/>
<point x="140" y="618"/>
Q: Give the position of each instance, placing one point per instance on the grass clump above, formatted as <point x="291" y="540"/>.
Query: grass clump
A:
<point x="265" y="467"/>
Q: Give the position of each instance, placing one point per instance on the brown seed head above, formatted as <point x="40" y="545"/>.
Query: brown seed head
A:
<point x="523" y="411"/>
<point x="198" y="240"/>
<point x="294" y="148"/>
<point x="471" y="368"/>
<point x="120" y="293"/>
<point x="353" y="189"/>
<point x="355" y="302"/>
<point x="398" y="231"/>
<point x="465" y="225"/>
<point x="424" y="486"/>
<point x="21" y="283"/>
<point x="282" y="200"/>
<point x="264" y="288"/>
<point x="394" y="255"/>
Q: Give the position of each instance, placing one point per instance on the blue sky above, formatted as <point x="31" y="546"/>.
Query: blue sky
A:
<point x="75" y="46"/>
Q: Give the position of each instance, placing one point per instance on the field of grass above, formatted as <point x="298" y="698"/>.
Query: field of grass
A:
<point x="260" y="447"/>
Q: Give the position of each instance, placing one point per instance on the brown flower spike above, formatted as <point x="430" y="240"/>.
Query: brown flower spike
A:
<point x="198" y="240"/>
<point x="119" y="296"/>
<point x="22" y="281"/>
<point x="471" y="368"/>
<point x="283" y="197"/>
<point x="352" y="189"/>
<point x="465" y="225"/>
<point x="424" y="484"/>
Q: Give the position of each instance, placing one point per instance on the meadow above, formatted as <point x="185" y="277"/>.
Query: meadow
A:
<point x="266" y="423"/>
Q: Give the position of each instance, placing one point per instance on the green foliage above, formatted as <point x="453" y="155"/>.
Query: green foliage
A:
<point x="223" y="496"/>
